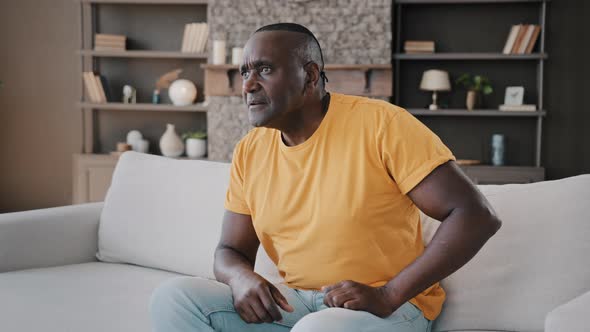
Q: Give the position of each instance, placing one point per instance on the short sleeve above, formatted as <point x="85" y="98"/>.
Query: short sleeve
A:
<point x="235" y="200"/>
<point x="410" y="151"/>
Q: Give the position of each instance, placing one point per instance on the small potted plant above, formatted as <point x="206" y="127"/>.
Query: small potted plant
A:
<point x="475" y="85"/>
<point x="196" y="144"/>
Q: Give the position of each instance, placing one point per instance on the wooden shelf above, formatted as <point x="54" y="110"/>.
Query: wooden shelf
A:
<point x="481" y="112"/>
<point x="434" y="2"/>
<point x="143" y="54"/>
<point x="469" y="56"/>
<point x="149" y="2"/>
<point x="199" y="107"/>
<point x="327" y="66"/>
<point x="371" y="80"/>
<point x="107" y="156"/>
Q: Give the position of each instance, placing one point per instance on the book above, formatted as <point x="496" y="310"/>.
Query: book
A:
<point x="91" y="87"/>
<point x="518" y="108"/>
<point x="420" y="46"/>
<point x="106" y="88"/>
<point x="521" y="31"/>
<point x="106" y="37"/>
<point x="197" y="37"/>
<point x="88" y="86"/>
<point x="103" y="97"/>
<point x="204" y="38"/>
<point x="191" y="37"/>
<point x="533" y="40"/>
<point x="108" y="48"/>
<point x="110" y="42"/>
<point x="526" y="39"/>
<point x="511" y="39"/>
<point x="184" y="47"/>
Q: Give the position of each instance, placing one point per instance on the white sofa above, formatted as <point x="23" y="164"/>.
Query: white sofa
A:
<point x="162" y="217"/>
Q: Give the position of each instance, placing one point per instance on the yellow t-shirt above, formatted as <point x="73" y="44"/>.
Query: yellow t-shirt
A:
<point x="335" y="207"/>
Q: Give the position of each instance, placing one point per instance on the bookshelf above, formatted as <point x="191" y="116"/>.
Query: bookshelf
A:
<point x="468" y="56"/>
<point x="469" y="37"/>
<point x="143" y="54"/>
<point x="199" y="107"/>
<point x="154" y="31"/>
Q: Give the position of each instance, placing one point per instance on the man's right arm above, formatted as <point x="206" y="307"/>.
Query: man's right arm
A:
<point x="255" y="299"/>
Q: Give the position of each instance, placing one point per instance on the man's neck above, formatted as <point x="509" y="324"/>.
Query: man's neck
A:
<point x="301" y="125"/>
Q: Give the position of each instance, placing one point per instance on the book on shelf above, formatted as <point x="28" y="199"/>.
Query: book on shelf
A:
<point x="91" y="90"/>
<point x="521" y="32"/>
<point x="526" y="39"/>
<point x="419" y="46"/>
<point x="107" y="42"/>
<point x="533" y="40"/>
<point x="194" y="38"/>
<point x="96" y="87"/>
<point x="184" y="47"/>
<point x="511" y="39"/>
<point x="518" y="108"/>
<point x="521" y="39"/>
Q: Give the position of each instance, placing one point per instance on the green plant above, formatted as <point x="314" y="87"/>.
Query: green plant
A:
<point x="194" y="134"/>
<point x="475" y="83"/>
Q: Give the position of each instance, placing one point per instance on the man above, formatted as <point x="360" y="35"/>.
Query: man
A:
<point x="331" y="186"/>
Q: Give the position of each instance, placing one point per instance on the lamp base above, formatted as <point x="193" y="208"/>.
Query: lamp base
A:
<point x="433" y="107"/>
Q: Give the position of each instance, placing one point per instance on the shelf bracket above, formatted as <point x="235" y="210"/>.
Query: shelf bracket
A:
<point x="230" y="79"/>
<point x="368" y="75"/>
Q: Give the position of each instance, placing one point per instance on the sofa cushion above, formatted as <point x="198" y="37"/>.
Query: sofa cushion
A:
<point x="163" y="213"/>
<point x="570" y="316"/>
<point x="89" y="297"/>
<point x="537" y="261"/>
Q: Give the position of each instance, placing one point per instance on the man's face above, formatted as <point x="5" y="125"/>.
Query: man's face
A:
<point x="273" y="77"/>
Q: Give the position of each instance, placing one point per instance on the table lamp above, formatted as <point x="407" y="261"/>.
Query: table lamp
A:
<point x="435" y="80"/>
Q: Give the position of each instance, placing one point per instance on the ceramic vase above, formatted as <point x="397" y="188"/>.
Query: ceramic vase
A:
<point x="170" y="144"/>
<point x="182" y="92"/>
<point x="196" y="148"/>
<point x="472" y="100"/>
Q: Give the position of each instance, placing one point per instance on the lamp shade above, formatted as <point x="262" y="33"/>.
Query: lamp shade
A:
<point x="435" y="80"/>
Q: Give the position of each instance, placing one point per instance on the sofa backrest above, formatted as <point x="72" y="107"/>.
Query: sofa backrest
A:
<point x="163" y="213"/>
<point x="537" y="260"/>
<point x="166" y="214"/>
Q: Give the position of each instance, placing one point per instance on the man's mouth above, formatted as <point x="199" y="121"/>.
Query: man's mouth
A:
<point x="257" y="102"/>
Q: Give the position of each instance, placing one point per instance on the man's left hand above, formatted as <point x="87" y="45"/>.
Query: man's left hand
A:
<point x="355" y="296"/>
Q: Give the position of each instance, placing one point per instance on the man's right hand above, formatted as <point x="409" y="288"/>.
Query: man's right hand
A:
<point x="257" y="300"/>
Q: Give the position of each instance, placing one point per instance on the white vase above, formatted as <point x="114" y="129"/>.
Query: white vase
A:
<point x="196" y="148"/>
<point x="170" y="144"/>
<point x="182" y="92"/>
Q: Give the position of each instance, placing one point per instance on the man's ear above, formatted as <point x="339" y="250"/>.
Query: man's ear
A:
<point x="312" y="76"/>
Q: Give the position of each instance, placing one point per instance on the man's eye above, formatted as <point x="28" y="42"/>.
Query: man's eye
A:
<point x="265" y="70"/>
<point x="245" y="74"/>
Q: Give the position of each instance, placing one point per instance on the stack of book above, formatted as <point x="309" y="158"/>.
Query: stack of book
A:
<point x="518" y="108"/>
<point x="522" y="39"/>
<point x="105" y="42"/>
<point x="195" y="38"/>
<point x="419" y="46"/>
<point x="95" y="87"/>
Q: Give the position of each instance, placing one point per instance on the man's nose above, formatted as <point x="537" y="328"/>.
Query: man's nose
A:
<point x="250" y="84"/>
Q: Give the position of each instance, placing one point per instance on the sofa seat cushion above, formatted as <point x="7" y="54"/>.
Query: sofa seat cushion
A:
<point x="85" y="297"/>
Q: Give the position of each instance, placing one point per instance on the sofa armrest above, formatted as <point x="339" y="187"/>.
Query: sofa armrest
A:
<point x="571" y="316"/>
<point x="49" y="237"/>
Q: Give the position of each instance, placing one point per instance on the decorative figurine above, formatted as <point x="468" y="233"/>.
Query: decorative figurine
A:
<point x="129" y="94"/>
<point x="163" y="83"/>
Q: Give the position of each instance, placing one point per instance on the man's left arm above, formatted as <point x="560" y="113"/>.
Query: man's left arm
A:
<point x="468" y="221"/>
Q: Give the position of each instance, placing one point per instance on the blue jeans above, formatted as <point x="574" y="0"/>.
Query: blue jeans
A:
<point x="201" y="305"/>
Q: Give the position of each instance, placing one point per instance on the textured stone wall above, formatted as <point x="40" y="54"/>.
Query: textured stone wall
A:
<point x="349" y="31"/>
